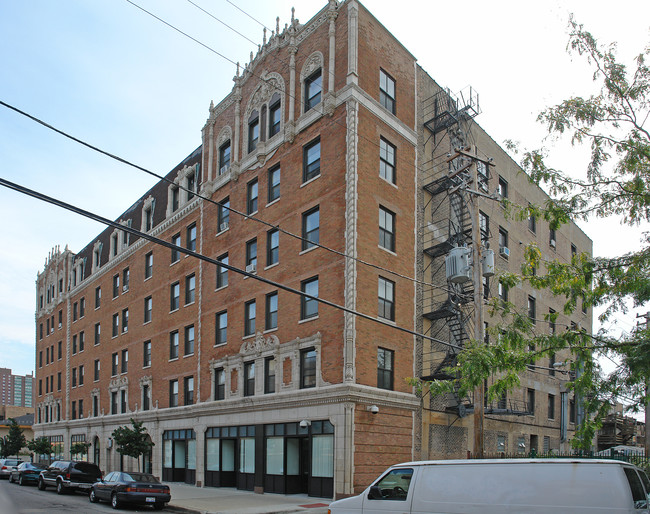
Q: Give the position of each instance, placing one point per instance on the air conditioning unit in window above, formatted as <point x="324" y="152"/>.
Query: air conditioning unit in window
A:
<point x="504" y="252"/>
<point x="251" y="268"/>
<point x="224" y="169"/>
<point x="223" y="226"/>
<point x="125" y="287"/>
<point x="552" y="243"/>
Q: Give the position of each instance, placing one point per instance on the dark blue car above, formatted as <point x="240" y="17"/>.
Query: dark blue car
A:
<point x="26" y="473"/>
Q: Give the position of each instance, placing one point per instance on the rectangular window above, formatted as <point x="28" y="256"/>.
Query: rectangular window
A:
<point x="502" y="188"/>
<point x="74" y="345"/>
<point x="274" y="118"/>
<point x="271" y="311"/>
<point x="58" y="381"/>
<point x="311" y="161"/>
<point x="224" y="214"/>
<point x="253" y="131"/>
<point x="176" y="254"/>
<point x="574" y="251"/>
<point x="125" y="320"/>
<point x="269" y="375"/>
<point x="95" y="405"/>
<point x="503" y="292"/>
<point x="125" y="361"/>
<point x="125" y="280"/>
<point x="224" y="158"/>
<point x="188" y="390"/>
<point x="116" y="325"/>
<point x="145" y="397"/>
<point x="251" y="256"/>
<point x="148" y="265"/>
<point x="146" y="354"/>
<point x="148" y="308"/>
<point x="191" y="237"/>
<point x="190" y="289"/>
<point x="385" y="368"/>
<point x="310" y="228"/>
<point x="307" y="368"/>
<point x="387" y="91"/>
<point x="173" y="393"/>
<point x="387" y="161"/>
<point x="173" y="345"/>
<point x="189" y="340"/>
<point x="114" y="364"/>
<point x="82" y="341"/>
<point x="221" y="327"/>
<point x="174" y="296"/>
<point x="313" y="89"/>
<point x="60" y="350"/>
<point x="74" y="410"/>
<point x="251" y="196"/>
<point x="532" y="223"/>
<point x="116" y="286"/>
<point x="219" y="384"/>
<point x="191" y="186"/>
<point x="309" y="306"/>
<point x="75" y="314"/>
<point x="386" y="294"/>
<point x="249" y="378"/>
<point x="274" y="184"/>
<point x="551" y="321"/>
<point x="114" y="402"/>
<point x="82" y="307"/>
<point x="572" y="410"/>
<point x="503" y="243"/>
<point x="552" y="242"/>
<point x="249" y="318"/>
<point x="386" y="229"/>
<point x="530" y="398"/>
<point x="532" y="310"/>
<point x="74" y="380"/>
<point x="551" y="406"/>
<point x="222" y="272"/>
<point x="98" y="332"/>
<point x="484" y="226"/>
<point x="272" y="247"/>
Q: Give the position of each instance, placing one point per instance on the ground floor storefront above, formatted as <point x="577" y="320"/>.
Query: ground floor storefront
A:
<point x="298" y="444"/>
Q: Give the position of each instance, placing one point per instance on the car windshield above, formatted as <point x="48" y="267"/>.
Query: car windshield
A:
<point x="12" y="462"/>
<point x="139" y="477"/>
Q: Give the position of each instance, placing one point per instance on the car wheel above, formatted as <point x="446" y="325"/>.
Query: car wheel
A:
<point x="92" y="497"/>
<point x="60" y="488"/>
<point x="20" y="480"/>
<point x="11" y="479"/>
<point x="158" y="506"/>
<point x="41" y="484"/>
<point x="114" y="501"/>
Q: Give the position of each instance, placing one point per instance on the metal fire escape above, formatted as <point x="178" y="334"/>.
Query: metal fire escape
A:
<point x="450" y="309"/>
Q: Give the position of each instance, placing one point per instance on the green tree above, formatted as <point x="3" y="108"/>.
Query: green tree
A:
<point x="40" y="446"/>
<point x="79" y="448"/>
<point x="614" y="123"/>
<point x="133" y="442"/>
<point x="14" y="441"/>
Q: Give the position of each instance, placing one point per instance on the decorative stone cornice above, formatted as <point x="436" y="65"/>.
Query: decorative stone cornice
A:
<point x="260" y="344"/>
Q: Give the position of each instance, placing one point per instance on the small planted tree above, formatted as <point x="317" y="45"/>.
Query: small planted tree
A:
<point x="80" y="448"/>
<point x="14" y="441"/>
<point x="40" y="446"/>
<point x="132" y="442"/>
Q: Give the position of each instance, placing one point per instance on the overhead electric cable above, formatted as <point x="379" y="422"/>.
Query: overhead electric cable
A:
<point x="105" y="221"/>
<point x="207" y="199"/>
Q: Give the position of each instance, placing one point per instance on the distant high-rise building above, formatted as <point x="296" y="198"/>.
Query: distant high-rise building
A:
<point x="15" y="389"/>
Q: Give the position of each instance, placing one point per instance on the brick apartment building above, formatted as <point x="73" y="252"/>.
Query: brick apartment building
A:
<point x="15" y="389"/>
<point x="241" y="382"/>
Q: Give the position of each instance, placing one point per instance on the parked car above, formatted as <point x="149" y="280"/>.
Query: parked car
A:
<point x="69" y="475"/>
<point x="26" y="473"/>
<point x="7" y="466"/>
<point x="502" y="486"/>
<point x="130" y="488"/>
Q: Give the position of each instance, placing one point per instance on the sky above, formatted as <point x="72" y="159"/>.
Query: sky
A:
<point x="112" y="75"/>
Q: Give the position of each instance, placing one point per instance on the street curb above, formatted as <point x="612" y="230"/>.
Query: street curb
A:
<point x="186" y="510"/>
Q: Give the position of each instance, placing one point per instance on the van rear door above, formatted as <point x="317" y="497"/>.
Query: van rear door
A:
<point x="393" y="493"/>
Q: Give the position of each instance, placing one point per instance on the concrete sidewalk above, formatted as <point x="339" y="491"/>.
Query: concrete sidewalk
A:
<point x="188" y="499"/>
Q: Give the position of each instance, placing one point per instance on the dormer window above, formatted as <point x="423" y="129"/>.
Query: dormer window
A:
<point x="224" y="158"/>
<point x="148" y="220"/>
<point x="191" y="186"/>
<point x="175" y="198"/>
<point x="253" y="131"/>
<point x="313" y="89"/>
<point x="114" y="245"/>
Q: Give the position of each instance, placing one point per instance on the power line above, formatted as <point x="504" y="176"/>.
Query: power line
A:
<point x="207" y="199"/>
<point x="105" y="221"/>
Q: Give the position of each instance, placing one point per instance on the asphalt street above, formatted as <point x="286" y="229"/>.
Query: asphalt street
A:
<point x="15" y="499"/>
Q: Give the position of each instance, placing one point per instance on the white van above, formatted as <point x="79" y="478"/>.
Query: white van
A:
<point x="504" y="486"/>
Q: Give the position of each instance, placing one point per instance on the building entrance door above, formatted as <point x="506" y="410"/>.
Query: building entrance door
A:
<point x="228" y="463"/>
